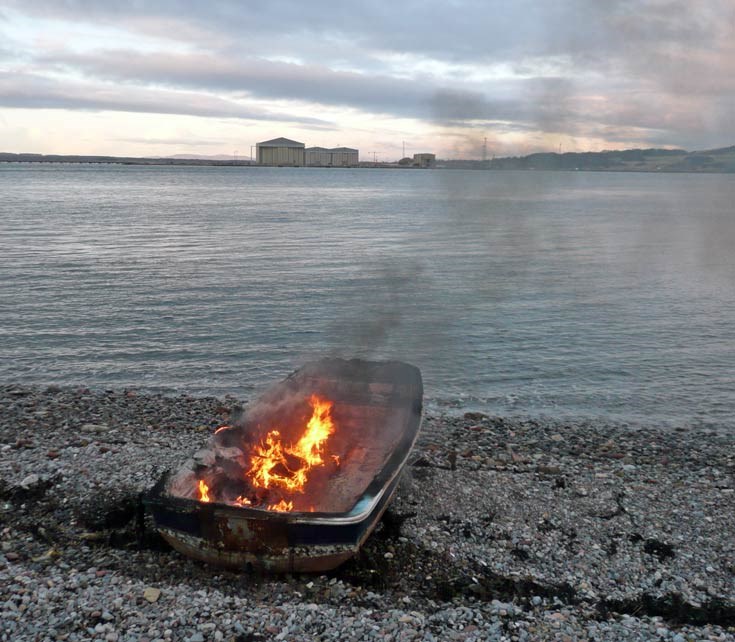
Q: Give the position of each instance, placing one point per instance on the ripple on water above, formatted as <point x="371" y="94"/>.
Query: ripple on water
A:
<point x="568" y="294"/>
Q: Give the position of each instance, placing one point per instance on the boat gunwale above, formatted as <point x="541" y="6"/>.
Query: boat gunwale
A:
<point x="156" y="497"/>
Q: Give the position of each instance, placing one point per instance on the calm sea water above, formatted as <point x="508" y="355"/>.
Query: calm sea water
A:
<point x="563" y="294"/>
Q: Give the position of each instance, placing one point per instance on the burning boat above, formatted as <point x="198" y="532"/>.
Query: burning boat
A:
<point x="299" y="482"/>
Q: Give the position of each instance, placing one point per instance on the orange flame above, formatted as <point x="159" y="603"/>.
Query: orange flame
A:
<point x="203" y="492"/>
<point x="282" y="507"/>
<point x="275" y="465"/>
<point x="287" y="467"/>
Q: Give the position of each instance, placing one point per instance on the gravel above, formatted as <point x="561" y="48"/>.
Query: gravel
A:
<point x="502" y="529"/>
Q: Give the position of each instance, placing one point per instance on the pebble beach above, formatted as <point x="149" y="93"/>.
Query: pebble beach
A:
<point x="502" y="529"/>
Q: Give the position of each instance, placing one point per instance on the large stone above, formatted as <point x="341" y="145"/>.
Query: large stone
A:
<point x="152" y="594"/>
<point x="29" y="481"/>
<point x="94" y="428"/>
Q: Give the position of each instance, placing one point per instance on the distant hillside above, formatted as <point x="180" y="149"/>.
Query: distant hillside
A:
<point x="720" y="160"/>
<point x="630" y="160"/>
<point x="217" y="157"/>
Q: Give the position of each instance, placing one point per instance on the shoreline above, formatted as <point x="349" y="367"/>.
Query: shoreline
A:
<point x="248" y="164"/>
<point x="651" y="160"/>
<point x="545" y="529"/>
<point x="436" y="407"/>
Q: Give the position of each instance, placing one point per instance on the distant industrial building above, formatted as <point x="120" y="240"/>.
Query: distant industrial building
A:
<point x="291" y="153"/>
<point x="336" y="157"/>
<point x="424" y="160"/>
<point x="279" y="152"/>
<point x="344" y="156"/>
<point x="318" y="156"/>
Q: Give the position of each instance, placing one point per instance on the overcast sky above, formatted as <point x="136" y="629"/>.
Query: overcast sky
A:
<point x="183" y="76"/>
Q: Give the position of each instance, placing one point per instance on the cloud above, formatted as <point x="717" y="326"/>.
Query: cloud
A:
<point x="551" y="104"/>
<point x="176" y="142"/>
<point x="250" y="76"/>
<point x="540" y="101"/>
<point x="656" y="69"/>
<point x="545" y="103"/>
<point x="469" y="30"/>
<point x="37" y="92"/>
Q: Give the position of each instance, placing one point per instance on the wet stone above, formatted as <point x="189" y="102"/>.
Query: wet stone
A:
<point x="558" y="568"/>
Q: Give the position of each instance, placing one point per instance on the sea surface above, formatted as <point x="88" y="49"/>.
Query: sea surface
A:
<point x="564" y="294"/>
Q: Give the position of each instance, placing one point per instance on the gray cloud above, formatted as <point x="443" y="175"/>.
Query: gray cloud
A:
<point x="252" y="76"/>
<point x="472" y="30"/>
<point x="31" y="91"/>
<point x="658" y="70"/>
<point x="546" y="103"/>
<point x="542" y="103"/>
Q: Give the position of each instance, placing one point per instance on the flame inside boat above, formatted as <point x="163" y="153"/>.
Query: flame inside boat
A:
<point x="298" y="481"/>
<point x="286" y="468"/>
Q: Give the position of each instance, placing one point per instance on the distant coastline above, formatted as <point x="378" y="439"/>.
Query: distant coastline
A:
<point x="117" y="160"/>
<point x="721" y="161"/>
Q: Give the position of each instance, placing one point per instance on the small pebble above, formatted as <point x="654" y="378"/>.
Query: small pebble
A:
<point x="461" y="543"/>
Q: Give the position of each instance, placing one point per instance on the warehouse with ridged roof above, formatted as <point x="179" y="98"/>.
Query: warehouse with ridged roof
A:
<point x="335" y="157"/>
<point x="284" y="152"/>
<point x="280" y="152"/>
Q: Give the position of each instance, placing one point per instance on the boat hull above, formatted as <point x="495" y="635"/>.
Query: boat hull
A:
<point x="244" y="538"/>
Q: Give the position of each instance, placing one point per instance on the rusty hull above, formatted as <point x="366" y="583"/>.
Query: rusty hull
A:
<point x="244" y="538"/>
<point x="249" y="538"/>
